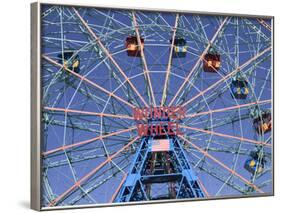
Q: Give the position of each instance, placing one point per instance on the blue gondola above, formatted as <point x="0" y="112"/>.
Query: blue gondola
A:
<point x="180" y="48"/>
<point x="70" y="60"/>
<point x="239" y="87"/>
<point x="255" y="164"/>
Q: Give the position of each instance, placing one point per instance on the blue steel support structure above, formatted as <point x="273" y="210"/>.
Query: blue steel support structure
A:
<point x="160" y="174"/>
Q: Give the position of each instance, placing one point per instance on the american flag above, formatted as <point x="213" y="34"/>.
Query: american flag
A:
<point x="160" y="145"/>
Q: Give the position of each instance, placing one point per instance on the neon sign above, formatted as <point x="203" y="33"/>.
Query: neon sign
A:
<point x="157" y="121"/>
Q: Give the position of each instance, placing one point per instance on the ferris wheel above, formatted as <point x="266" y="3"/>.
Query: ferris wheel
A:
<point x="98" y="65"/>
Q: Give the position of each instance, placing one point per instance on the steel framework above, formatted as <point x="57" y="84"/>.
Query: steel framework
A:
<point x="172" y="171"/>
<point x="91" y="150"/>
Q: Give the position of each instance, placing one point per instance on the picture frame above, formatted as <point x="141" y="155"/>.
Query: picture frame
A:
<point x="140" y="106"/>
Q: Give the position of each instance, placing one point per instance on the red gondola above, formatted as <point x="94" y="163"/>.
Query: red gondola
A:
<point x="211" y="62"/>
<point x="262" y="124"/>
<point x="133" y="49"/>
